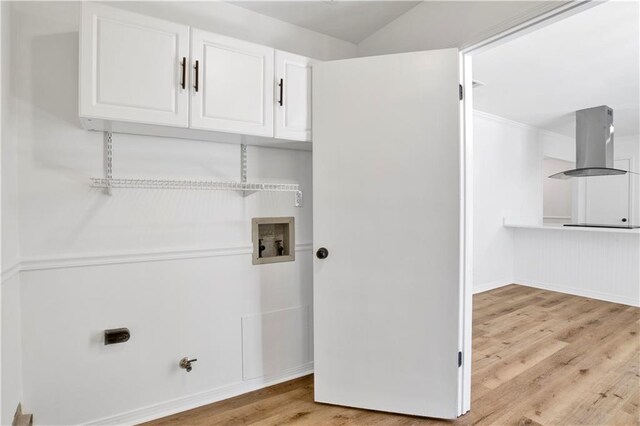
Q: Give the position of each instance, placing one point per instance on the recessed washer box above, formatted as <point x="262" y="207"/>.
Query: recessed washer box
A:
<point x="273" y="239"/>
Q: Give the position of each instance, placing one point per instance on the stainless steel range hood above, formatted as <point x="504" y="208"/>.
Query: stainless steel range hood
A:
<point x="594" y="144"/>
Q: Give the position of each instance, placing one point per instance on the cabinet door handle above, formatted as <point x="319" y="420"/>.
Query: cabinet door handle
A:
<point x="281" y="84"/>
<point x="197" y="67"/>
<point x="183" y="64"/>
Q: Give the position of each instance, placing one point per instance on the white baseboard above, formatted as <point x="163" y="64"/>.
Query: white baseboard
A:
<point x="491" y="285"/>
<point x="592" y="294"/>
<point x="168" y="408"/>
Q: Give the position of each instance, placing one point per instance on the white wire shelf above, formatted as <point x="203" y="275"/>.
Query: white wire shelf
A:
<point x="109" y="182"/>
<point x="193" y="184"/>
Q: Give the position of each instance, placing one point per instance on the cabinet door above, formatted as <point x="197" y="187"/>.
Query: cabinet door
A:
<point x="293" y="97"/>
<point x="131" y="67"/>
<point x="232" y="88"/>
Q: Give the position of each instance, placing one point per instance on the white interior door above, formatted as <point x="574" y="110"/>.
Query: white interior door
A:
<point x="607" y="197"/>
<point x="387" y="207"/>
<point x="232" y="88"/>
<point x="293" y="97"/>
<point x="133" y="67"/>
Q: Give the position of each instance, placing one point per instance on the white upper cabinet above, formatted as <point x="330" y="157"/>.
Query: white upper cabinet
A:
<point x="148" y="76"/>
<point x="131" y="67"/>
<point x="293" y="97"/>
<point x="232" y="85"/>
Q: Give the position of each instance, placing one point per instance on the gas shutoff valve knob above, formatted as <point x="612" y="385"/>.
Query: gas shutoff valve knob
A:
<point x="186" y="363"/>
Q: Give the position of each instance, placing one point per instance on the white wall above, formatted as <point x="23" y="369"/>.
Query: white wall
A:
<point x="444" y="24"/>
<point x="507" y="169"/>
<point x="225" y="18"/>
<point x="10" y="332"/>
<point x="173" y="266"/>
<point x="12" y="381"/>
<point x="9" y="150"/>
<point x="557" y="193"/>
<point x="563" y="148"/>
<point x="174" y="308"/>
<point x="558" y="146"/>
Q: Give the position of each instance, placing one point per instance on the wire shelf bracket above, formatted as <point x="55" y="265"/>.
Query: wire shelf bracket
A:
<point x="243" y="168"/>
<point x="108" y="182"/>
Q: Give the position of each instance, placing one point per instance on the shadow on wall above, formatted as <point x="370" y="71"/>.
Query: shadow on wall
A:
<point x="53" y="126"/>
<point x="54" y="78"/>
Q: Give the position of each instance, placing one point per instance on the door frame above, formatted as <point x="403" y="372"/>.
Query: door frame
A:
<point x="466" y="158"/>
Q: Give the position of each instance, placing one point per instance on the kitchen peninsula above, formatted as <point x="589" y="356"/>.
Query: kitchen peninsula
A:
<point x="602" y="263"/>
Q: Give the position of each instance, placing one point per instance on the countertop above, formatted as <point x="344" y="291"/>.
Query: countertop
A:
<point x="510" y="223"/>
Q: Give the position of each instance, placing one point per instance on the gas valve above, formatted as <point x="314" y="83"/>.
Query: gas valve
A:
<point x="186" y="363"/>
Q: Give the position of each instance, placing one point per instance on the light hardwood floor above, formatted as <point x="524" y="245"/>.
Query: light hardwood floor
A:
<point x="539" y="357"/>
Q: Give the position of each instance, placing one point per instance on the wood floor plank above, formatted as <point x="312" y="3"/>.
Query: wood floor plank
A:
<point x="545" y="378"/>
<point x="288" y="402"/>
<point x="541" y="330"/>
<point x="247" y="399"/>
<point x="540" y="358"/>
<point x="570" y="386"/>
<point x="632" y="406"/>
<point x="521" y="362"/>
<point x="609" y="383"/>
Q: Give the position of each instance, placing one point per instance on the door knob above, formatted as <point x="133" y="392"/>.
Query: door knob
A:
<point x="322" y="253"/>
<point x="624" y="219"/>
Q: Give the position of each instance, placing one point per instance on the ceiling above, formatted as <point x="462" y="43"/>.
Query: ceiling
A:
<point x="588" y="59"/>
<point x="351" y="21"/>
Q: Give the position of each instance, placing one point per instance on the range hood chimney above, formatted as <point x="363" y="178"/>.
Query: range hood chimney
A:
<point x="594" y="144"/>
